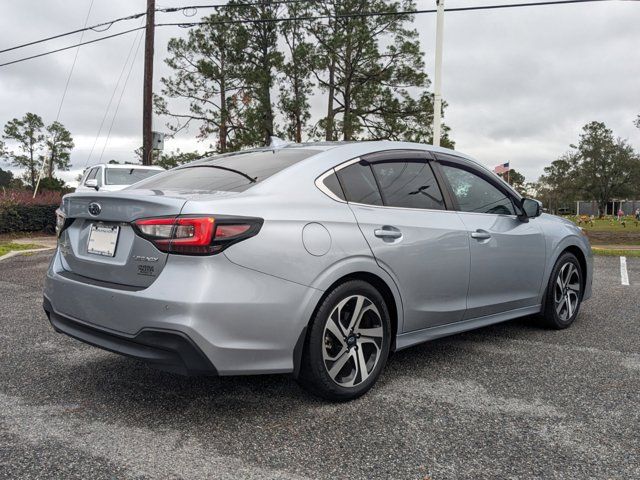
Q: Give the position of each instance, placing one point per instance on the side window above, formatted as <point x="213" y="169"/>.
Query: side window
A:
<point x="475" y="194"/>
<point x="359" y="185"/>
<point x="92" y="174"/>
<point x="331" y="183"/>
<point x="409" y="184"/>
<point x="99" y="171"/>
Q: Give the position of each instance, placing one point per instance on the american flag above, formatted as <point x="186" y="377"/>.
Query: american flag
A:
<point x="500" y="169"/>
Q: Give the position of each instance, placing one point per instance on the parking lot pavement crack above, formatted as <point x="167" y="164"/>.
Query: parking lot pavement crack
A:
<point x="138" y="451"/>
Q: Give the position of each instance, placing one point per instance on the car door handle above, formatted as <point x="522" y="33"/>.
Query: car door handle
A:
<point x="481" y="235"/>
<point x="387" y="232"/>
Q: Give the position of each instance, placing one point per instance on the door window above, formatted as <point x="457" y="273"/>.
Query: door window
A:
<point x="359" y="185"/>
<point x="475" y="194"/>
<point x="409" y="184"/>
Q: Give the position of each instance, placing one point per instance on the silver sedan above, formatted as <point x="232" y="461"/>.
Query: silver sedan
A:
<point x="315" y="260"/>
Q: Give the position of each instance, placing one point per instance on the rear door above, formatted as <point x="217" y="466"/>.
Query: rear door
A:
<point x="401" y="211"/>
<point x="507" y="254"/>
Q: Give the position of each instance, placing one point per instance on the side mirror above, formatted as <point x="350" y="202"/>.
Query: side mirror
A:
<point x="92" y="182"/>
<point x="532" y="208"/>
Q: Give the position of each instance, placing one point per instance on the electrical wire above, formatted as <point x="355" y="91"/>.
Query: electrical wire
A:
<point x="124" y="87"/>
<point x="302" y="18"/>
<point x="70" y="47"/>
<point x="113" y="95"/>
<point x="84" y="29"/>
<point x="73" y="65"/>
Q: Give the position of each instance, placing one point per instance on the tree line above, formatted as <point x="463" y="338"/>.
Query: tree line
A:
<point x="243" y="76"/>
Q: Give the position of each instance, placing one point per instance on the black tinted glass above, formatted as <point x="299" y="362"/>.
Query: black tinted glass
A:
<point x="332" y="183"/>
<point x="359" y="184"/>
<point x="408" y="184"/>
<point x="475" y="194"/>
<point x="232" y="173"/>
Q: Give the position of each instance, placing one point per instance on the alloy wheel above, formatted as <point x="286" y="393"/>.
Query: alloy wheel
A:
<point x="566" y="292"/>
<point x="352" y="341"/>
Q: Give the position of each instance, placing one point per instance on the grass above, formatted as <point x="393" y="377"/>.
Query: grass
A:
<point x="9" y="247"/>
<point x="608" y="225"/>
<point x="615" y="253"/>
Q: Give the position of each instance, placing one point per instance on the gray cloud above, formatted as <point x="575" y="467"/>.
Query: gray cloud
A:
<point x="520" y="83"/>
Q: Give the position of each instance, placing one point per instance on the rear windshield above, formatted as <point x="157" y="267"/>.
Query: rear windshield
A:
<point x="231" y="173"/>
<point x="127" y="176"/>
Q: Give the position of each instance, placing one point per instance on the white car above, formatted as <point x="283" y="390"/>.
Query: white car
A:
<point x="114" y="177"/>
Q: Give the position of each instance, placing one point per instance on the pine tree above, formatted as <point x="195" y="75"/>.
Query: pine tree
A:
<point x="27" y="133"/>
<point x="59" y="144"/>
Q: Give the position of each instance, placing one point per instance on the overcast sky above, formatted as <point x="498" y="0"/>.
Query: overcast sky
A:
<point x="520" y="83"/>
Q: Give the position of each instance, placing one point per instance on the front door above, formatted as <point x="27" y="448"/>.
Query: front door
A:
<point x="401" y="212"/>
<point x="507" y="254"/>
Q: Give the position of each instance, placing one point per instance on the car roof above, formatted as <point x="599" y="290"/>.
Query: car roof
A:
<point x="127" y="166"/>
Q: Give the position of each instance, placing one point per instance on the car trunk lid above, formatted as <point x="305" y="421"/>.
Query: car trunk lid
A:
<point x="100" y="242"/>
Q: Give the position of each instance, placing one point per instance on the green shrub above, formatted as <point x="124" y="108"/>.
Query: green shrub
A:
<point x="28" y="218"/>
<point x="19" y="212"/>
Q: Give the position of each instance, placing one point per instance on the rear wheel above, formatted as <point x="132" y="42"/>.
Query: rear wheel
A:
<point x="564" y="292"/>
<point x="348" y="342"/>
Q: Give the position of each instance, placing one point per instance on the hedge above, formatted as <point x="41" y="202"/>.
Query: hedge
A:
<point x="20" y="212"/>
<point x="28" y="218"/>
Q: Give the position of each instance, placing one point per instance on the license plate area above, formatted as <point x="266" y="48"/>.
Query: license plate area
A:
<point x="103" y="239"/>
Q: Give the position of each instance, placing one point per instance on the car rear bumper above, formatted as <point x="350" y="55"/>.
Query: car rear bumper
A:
<point x="199" y="308"/>
<point x="168" y="350"/>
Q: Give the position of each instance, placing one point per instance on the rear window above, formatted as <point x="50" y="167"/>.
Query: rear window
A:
<point x="231" y="173"/>
<point x="127" y="176"/>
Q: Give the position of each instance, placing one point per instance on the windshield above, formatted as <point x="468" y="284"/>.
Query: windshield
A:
<point x="127" y="176"/>
<point x="230" y="173"/>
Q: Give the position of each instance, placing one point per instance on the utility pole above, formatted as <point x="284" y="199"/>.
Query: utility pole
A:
<point x="437" y="87"/>
<point x="147" y="94"/>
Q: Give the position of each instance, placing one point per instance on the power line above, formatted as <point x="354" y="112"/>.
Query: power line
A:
<point x="70" y="47"/>
<point x="84" y="29"/>
<point x="73" y="65"/>
<point x="124" y="86"/>
<point x="108" y="24"/>
<point x="318" y="17"/>
<point x="113" y="95"/>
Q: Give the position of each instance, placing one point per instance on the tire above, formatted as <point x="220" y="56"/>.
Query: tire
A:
<point x="343" y="359"/>
<point x="564" y="293"/>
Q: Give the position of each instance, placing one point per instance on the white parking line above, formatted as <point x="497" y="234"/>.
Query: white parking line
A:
<point x="624" y="275"/>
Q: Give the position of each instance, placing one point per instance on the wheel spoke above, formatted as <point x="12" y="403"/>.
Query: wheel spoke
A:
<point x="569" y="306"/>
<point x="362" y="365"/>
<point x="339" y="364"/>
<point x="376" y="332"/>
<point x="335" y="330"/>
<point x="561" y="304"/>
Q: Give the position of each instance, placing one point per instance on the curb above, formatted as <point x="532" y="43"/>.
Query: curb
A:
<point x="15" y="253"/>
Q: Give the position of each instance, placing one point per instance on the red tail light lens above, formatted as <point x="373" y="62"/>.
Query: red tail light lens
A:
<point x="195" y="235"/>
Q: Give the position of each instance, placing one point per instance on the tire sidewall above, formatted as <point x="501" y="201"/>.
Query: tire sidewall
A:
<point x="316" y="371"/>
<point x="551" y="313"/>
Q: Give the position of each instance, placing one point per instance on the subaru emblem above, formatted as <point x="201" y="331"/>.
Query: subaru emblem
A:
<point x="95" y="208"/>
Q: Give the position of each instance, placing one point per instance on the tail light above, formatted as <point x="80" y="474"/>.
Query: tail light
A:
<point x="196" y="235"/>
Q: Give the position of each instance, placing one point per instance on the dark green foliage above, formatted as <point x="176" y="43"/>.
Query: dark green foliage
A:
<point x="174" y="159"/>
<point x="600" y="167"/>
<point x="6" y="177"/>
<point x="28" y="218"/>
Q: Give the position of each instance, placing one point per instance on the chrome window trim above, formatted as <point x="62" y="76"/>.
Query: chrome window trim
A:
<point x="324" y="189"/>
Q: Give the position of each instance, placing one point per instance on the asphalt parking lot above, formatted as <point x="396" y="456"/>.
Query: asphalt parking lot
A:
<point x="508" y="401"/>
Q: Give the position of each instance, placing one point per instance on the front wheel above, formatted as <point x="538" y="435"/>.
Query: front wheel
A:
<point x="564" y="292"/>
<point x="348" y="342"/>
